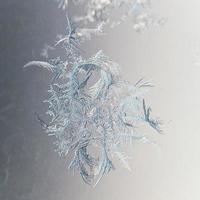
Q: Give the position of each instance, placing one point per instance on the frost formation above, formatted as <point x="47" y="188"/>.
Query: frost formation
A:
<point x="139" y="11"/>
<point x="93" y="111"/>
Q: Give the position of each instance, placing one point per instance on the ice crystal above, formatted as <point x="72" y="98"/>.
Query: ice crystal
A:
<point x="74" y="36"/>
<point x="88" y="116"/>
<point x="93" y="111"/>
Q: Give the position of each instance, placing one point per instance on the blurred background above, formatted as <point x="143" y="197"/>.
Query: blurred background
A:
<point x="169" y="56"/>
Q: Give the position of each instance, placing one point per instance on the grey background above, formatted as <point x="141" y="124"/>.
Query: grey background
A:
<point x="29" y="168"/>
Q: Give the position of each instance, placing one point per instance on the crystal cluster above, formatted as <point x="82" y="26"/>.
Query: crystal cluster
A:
<point x="98" y="117"/>
<point x="93" y="111"/>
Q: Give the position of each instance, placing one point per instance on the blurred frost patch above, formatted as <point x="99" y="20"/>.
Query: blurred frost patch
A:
<point x="114" y="12"/>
